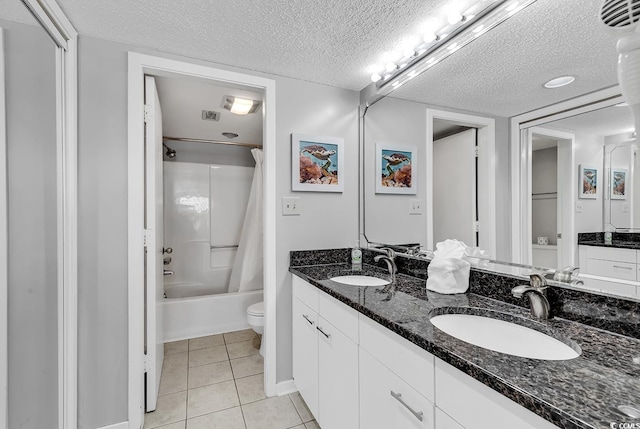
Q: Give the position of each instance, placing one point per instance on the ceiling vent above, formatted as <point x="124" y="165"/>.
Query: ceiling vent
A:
<point x="210" y="115"/>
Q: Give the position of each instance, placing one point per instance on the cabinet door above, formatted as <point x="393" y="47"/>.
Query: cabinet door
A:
<point x="305" y="354"/>
<point x="338" y="378"/>
<point x="386" y="401"/>
<point x="443" y="421"/>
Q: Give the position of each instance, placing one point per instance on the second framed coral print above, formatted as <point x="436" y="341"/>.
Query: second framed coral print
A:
<point x="394" y="169"/>
<point x="317" y="163"/>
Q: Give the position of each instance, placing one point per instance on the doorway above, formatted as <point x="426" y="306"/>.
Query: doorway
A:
<point x="485" y="185"/>
<point x="139" y="67"/>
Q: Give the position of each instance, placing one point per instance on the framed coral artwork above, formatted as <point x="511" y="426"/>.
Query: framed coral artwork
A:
<point x="618" y="183"/>
<point x="394" y="169"/>
<point x="588" y="182"/>
<point x="317" y="163"/>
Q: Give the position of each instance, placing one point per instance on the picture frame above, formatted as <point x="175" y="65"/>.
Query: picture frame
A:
<point x="618" y="182"/>
<point x="317" y="163"/>
<point x="588" y="183"/>
<point x="394" y="169"/>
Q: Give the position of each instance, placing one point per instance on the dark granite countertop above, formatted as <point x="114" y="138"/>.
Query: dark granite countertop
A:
<point x="579" y="393"/>
<point x="620" y="240"/>
<point x="614" y="244"/>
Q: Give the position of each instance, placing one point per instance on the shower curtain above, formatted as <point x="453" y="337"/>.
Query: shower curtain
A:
<point x="246" y="273"/>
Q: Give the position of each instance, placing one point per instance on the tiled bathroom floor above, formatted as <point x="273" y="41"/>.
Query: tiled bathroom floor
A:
<point x="216" y="382"/>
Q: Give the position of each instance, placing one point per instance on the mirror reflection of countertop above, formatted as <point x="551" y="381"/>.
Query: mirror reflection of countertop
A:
<point x="579" y="393"/>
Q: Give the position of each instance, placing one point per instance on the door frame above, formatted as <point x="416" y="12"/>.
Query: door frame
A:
<point x="566" y="193"/>
<point x="520" y="213"/>
<point x="138" y="66"/>
<point x="53" y="20"/>
<point x="486" y="173"/>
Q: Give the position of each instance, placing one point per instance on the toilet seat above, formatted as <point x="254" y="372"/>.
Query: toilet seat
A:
<point x="256" y="309"/>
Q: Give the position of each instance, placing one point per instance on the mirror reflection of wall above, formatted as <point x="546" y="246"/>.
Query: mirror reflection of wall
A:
<point x="544" y="201"/>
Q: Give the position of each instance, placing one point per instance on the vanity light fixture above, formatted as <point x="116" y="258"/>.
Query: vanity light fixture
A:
<point x="559" y="81"/>
<point x="461" y="27"/>
<point x="240" y="106"/>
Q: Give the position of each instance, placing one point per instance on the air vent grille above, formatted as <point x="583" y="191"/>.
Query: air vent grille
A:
<point x="210" y="115"/>
<point x="620" y="13"/>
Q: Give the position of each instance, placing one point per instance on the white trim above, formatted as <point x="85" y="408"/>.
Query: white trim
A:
<point x="4" y="253"/>
<point x="486" y="174"/>
<point x="123" y="425"/>
<point x="566" y="187"/>
<point x="285" y="387"/>
<point x="64" y="35"/>
<point x="139" y="65"/>
<point x="519" y="182"/>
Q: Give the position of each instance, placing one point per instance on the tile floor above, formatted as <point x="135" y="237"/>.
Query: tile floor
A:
<point x="216" y="382"/>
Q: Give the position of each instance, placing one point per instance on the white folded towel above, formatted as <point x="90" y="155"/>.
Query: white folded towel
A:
<point x="448" y="271"/>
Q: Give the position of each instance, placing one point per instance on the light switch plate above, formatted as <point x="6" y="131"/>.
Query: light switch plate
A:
<point x="579" y="207"/>
<point x="625" y="208"/>
<point x="290" y="206"/>
<point x="415" y="207"/>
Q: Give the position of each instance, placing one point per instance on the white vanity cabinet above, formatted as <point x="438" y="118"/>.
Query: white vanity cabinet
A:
<point x="325" y="356"/>
<point x="396" y="381"/>
<point x="617" y="271"/>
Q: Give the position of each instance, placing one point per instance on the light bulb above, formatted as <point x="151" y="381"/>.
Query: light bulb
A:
<point x="390" y="67"/>
<point x="375" y="77"/>
<point x="454" y="18"/>
<point x="429" y="37"/>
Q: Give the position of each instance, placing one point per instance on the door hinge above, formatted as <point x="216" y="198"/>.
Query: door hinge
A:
<point x="145" y="362"/>
<point x="477" y="151"/>
<point x="476" y="226"/>
<point x="148" y="113"/>
<point x="146" y="237"/>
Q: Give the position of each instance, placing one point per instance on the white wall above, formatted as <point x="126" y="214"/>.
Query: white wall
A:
<point x="387" y="216"/>
<point x="327" y="220"/>
<point x="589" y="152"/>
<point x="31" y="165"/>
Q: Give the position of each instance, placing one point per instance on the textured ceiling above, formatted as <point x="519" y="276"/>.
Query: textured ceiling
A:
<point x="334" y="42"/>
<point x="502" y="73"/>
<point x="602" y="122"/>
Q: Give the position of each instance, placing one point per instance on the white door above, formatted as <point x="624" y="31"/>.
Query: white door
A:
<point x="454" y="189"/>
<point x="154" y="344"/>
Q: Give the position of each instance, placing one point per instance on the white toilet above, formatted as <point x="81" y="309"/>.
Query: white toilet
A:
<point x="255" y="317"/>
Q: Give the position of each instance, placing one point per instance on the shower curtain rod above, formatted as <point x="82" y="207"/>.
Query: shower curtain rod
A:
<point x="182" y="139"/>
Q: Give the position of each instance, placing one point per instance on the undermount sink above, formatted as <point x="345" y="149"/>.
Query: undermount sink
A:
<point x="355" y="280"/>
<point x="504" y="337"/>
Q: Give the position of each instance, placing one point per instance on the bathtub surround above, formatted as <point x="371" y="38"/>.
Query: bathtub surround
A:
<point x="246" y="273"/>
<point x="572" y="394"/>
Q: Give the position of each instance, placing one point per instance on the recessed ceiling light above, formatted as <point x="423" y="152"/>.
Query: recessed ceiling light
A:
<point x="240" y="106"/>
<point x="559" y="81"/>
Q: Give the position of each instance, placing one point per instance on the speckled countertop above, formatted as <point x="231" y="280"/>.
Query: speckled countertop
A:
<point x="620" y="240"/>
<point x="579" y="393"/>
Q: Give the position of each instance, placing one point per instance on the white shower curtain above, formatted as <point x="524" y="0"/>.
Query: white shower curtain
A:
<point x="246" y="273"/>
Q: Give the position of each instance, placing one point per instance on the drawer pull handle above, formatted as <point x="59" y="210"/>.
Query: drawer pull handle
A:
<point x="307" y="319"/>
<point x="624" y="268"/>
<point x="322" y="332"/>
<point x="398" y="397"/>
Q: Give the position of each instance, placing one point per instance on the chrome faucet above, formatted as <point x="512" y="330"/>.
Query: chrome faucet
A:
<point x="389" y="258"/>
<point x="537" y="293"/>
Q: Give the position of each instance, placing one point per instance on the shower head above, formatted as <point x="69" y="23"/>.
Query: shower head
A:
<point x="170" y="153"/>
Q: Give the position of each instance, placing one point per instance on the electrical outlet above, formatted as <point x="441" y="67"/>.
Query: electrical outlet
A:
<point x="290" y="206"/>
<point x="579" y="207"/>
<point x="415" y="207"/>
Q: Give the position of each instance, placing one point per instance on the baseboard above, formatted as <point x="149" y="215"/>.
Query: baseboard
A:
<point x="285" y="387"/>
<point x="123" y="425"/>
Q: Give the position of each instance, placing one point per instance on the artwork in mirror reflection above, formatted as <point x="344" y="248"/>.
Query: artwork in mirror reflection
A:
<point x="395" y="173"/>
<point x="588" y="182"/>
<point x="618" y="181"/>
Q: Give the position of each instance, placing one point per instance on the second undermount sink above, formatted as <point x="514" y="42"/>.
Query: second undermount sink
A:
<point x="357" y="280"/>
<point x="504" y="337"/>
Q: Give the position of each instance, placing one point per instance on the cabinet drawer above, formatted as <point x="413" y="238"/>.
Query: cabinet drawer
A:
<point x="612" y="254"/>
<point x="305" y="292"/>
<point x="618" y="270"/>
<point x="411" y="363"/>
<point x="387" y="402"/>
<point x="339" y="315"/>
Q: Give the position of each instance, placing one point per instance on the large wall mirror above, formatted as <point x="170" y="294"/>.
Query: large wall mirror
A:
<point x="498" y="77"/>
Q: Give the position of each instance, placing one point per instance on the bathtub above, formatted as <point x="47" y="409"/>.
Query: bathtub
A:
<point x="191" y="311"/>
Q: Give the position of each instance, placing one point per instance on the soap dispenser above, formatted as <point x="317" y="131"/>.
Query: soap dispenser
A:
<point x="356" y="258"/>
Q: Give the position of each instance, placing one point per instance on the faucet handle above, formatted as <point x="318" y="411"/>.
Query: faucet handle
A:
<point x="538" y="281"/>
<point x="390" y="252"/>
